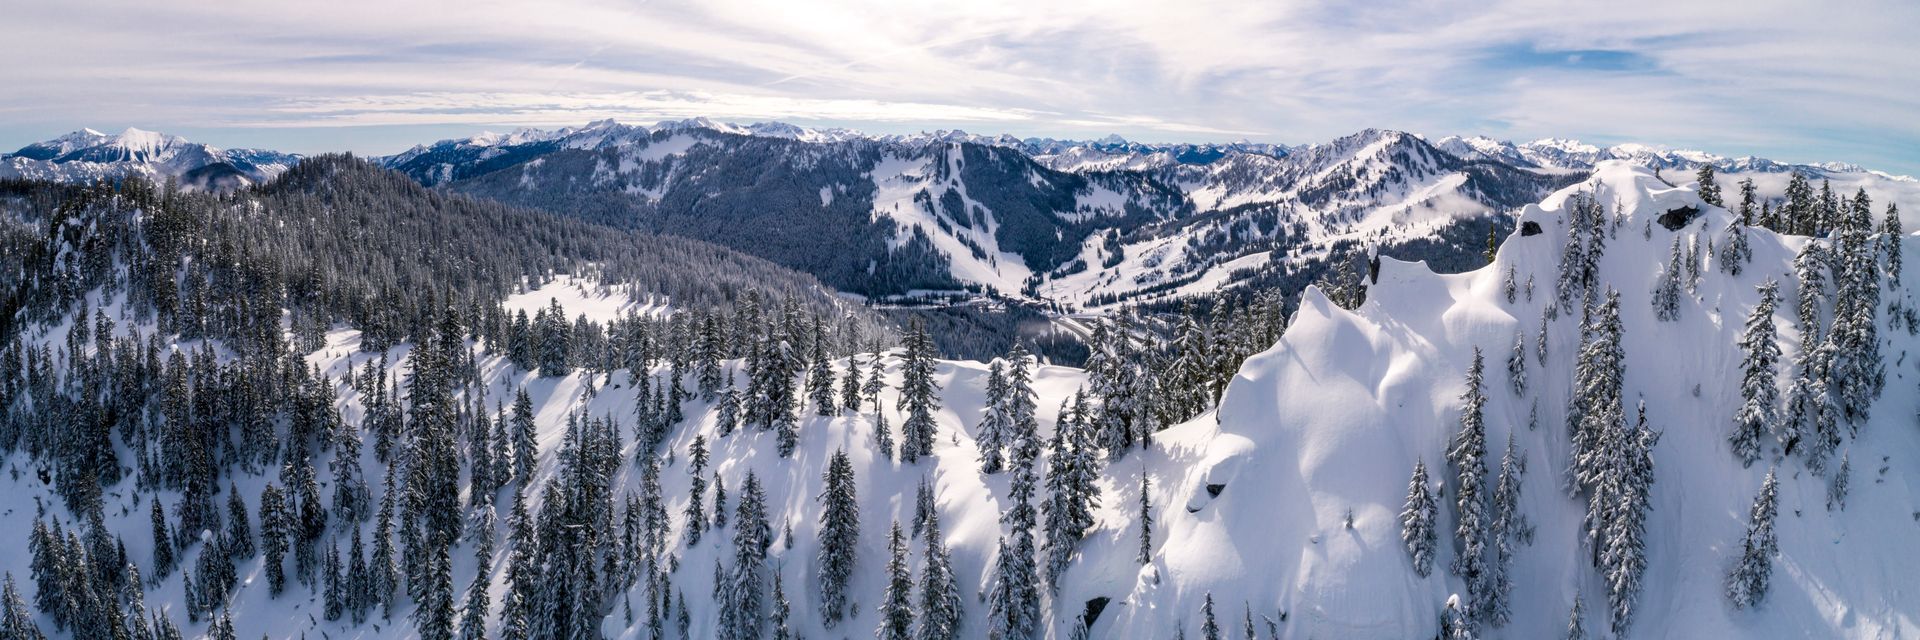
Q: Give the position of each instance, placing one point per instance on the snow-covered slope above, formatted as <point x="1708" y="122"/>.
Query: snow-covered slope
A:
<point x="1252" y="502"/>
<point x="88" y="155"/>
<point x="1332" y="420"/>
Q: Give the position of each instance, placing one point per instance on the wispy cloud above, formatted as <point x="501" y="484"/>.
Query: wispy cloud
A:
<point x="1794" y="80"/>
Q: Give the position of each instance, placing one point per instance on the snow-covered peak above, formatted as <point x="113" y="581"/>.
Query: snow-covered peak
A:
<point x="87" y="155"/>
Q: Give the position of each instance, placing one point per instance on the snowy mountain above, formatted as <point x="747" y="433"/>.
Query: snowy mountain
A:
<point x="87" y="155"/>
<point x="949" y="211"/>
<point x="1280" y="510"/>
<point x="1333" y="419"/>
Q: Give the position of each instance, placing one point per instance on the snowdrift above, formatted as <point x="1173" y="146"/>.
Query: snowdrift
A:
<point x="1331" y="421"/>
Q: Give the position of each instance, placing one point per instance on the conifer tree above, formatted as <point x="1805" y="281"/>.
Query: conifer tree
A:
<point x="524" y="446"/>
<point x="923" y="508"/>
<point x="820" y="374"/>
<point x="1709" y="188"/>
<point x="781" y="610"/>
<point x="1747" y="583"/>
<point x="1071" y="488"/>
<point x="896" y="605"/>
<point x="918" y="395"/>
<point x="1666" y="296"/>
<point x="275" y="528"/>
<point x="1747" y="199"/>
<point x="1146" y="519"/>
<point x="991" y="434"/>
<point x="1837" y="485"/>
<point x="743" y="596"/>
<point x="1209" y="628"/>
<point x="1517" y="363"/>
<point x="1626" y="496"/>
<point x="1015" y="597"/>
<point x="16" y="620"/>
<point x="727" y="415"/>
<point x="850" y="386"/>
<point x="1456" y="622"/>
<point x="839" y="536"/>
<point x="1468" y="457"/>
<point x="1757" y="391"/>
<point x="1891" y="243"/>
<point x="1735" y="254"/>
<point x="163" y="542"/>
<point x="1510" y="529"/>
<point x="434" y="619"/>
<point x="1576" y="623"/>
<point x="1417" y="520"/>
<point x="940" y="600"/>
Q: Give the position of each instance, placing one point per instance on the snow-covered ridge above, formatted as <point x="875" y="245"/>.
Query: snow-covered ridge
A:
<point x="1563" y="153"/>
<point x="1329" y="423"/>
<point x="87" y="155"/>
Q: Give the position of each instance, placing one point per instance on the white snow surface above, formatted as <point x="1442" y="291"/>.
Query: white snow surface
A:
<point x="1330" y="419"/>
<point x="1334" y="417"/>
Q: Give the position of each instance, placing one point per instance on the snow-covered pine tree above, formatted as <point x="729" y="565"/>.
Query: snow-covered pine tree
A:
<point x="525" y="448"/>
<point x="850" y="386"/>
<point x="1694" y="255"/>
<point x="1417" y="520"/>
<point x="1456" y="622"/>
<point x="919" y="395"/>
<point x="923" y="507"/>
<point x="1576" y="622"/>
<point x="1572" y="258"/>
<point x="991" y="434"/>
<point x="882" y="433"/>
<point x="275" y="529"/>
<point x="1735" y="253"/>
<point x="839" y="536"/>
<point x="1467" y="454"/>
<point x="1014" y="602"/>
<point x="1666" y="295"/>
<point x="1747" y="200"/>
<point x="1747" y="583"/>
<point x="727" y="411"/>
<point x="743" y="597"/>
<point x="434" y="618"/>
<point x="473" y="615"/>
<point x="896" y="605"/>
<point x="1517" y="363"/>
<point x="16" y="619"/>
<point x="695" y="515"/>
<point x="820" y="373"/>
<point x="940" y="601"/>
<point x="1628" y="491"/>
<point x="1594" y="408"/>
<point x="1209" y="628"/>
<point x="719" y="502"/>
<point x="163" y="559"/>
<point x="1512" y="288"/>
<point x="1758" y="392"/>
<point x="782" y="610"/>
<point x="1146" y="518"/>
<point x="1510" y="530"/>
<point x="1072" y="472"/>
<point x="1891" y="245"/>
<point x="1709" y="188"/>
<point x="1837" y="485"/>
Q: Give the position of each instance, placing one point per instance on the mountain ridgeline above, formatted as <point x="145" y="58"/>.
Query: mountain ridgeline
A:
<point x="892" y="216"/>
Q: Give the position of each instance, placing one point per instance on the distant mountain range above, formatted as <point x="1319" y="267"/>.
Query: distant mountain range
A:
<point x="950" y="213"/>
<point x="88" y="155"/>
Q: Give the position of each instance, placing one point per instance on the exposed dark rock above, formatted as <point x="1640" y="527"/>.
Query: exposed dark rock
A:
<point x="1677" y="219"/>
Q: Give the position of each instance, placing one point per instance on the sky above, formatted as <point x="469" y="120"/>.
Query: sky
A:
<point x="1793" y="81"/>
